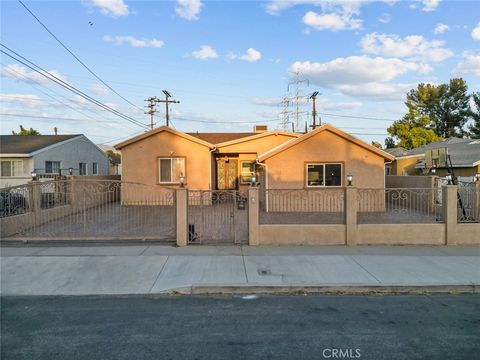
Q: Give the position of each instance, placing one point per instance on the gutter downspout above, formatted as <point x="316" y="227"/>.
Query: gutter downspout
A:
<point x="266" y="182"/>
<point x="211" y="162"/>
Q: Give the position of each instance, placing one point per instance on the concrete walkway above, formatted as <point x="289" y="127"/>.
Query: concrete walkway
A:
<point x="94" y="270"/>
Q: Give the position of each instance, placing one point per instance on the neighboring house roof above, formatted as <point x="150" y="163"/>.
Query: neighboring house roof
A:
<point x="255" y="136"/>
<point x="463" y="152"/>
<point x="326" y="127"/>
<point x="28" y="144"/>
<point x="218" y="137"/>
<point x="398" y="151"/>
<point x="159" y="130"/>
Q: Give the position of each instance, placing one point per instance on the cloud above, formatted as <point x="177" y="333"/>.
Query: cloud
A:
<point x="384" y="18"/>
<point x="134" y="42"/>
<point x="206" y="52"/>
<point x="99" y="89"/>
<point x="29" y="100"/>
<point x="476" y="32"/>
<point x="356" y="70"/>
<point x="20" y="73"/>
<point x="331" y="21"/>
<point x="430" y="5"/>
<point x="378" y="91"/>
<point x="189" y="9"/>
<point x="441" y="28"/>
<point x="115" y="8"/>
<point x="413" y="47"/>
<point x="470" y="65"/>
<point x="252" y="55"/>
<point x="362" y="76"/>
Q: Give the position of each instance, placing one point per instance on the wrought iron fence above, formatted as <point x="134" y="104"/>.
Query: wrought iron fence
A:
<point x="400" y="205"/>
<point x="92" y="209"/>
<point x="217" y="217"/>
<point x="468" y="209"/>
<point x="302" y="206"/>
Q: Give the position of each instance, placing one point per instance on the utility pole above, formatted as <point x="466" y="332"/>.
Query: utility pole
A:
<point x="151" y="109"/>
<point x="167" y="101"/>
<point x="298" y="82"/>
<point x="314" y="112"/>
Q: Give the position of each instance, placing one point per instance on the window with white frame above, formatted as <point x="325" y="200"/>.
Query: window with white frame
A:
<point x="95" y="168"/>
<point x="170" y="170"/>
<point x="247" y="171"/>
<point x="52" y="167"/>
<point x="11" y="168"/>
<point x="319" y="174"/>
<point x="82" y="168"/>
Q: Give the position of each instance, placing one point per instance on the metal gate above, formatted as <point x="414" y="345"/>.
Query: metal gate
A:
<point x="88" y="209"/>
<point x="217" y="217"/>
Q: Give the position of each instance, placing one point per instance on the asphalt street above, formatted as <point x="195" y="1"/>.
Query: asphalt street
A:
<point x="241" y="327"/>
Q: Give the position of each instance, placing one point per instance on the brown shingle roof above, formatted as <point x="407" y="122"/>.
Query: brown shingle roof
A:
<point x="26" y="144"/>
<point x="217" y="137"/>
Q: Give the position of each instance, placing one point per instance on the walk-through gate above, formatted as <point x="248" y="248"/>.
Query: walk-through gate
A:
<point x="217" y="217"/>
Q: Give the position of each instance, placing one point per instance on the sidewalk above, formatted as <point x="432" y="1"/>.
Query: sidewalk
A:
<point x="155" y="269"/>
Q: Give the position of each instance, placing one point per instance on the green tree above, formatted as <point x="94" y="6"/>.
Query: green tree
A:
<point x="24" y="131"/>
<point x="389" y="143"/>
<point x="475" y="114"/>
<point x="113" y="156"/>
<point x="412" y="134"/>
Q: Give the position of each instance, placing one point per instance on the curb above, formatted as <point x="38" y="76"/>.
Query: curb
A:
<point x="242" y="289"/>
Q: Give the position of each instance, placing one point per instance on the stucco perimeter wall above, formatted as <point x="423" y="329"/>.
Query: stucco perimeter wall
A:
<point x="468" y="234"/>
<point x="401" y="234"/>
<point x="140" y="163"/>
<point x="393" y="181"/>
<point x="302" y="234"/>
<point x="286" y="170"/>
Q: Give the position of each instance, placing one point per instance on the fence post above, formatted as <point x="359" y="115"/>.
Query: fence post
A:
<point x="36" y="196"/>
<point x="182" y="222"/>
<point x="350" y="204"/>
<point x="476" y="201"/>
<point x="253" y="212"/>
<point x="450" y="213"/>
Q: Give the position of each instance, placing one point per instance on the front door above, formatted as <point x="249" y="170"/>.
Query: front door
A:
<point x="227" y="170"/>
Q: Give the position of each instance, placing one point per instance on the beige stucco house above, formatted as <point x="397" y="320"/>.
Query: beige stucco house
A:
<point x="227" y="161"/>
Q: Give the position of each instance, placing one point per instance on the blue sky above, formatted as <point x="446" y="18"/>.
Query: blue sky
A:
<point x="230" y="62"/>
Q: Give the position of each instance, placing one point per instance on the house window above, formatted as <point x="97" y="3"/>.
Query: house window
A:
<point x="324" y="175"/>
<point x="95" y="168"/>
<point x="247" y="171"/>
<point x="52" y="167"/>
<point x="170" y="170"/>
<point x="82" y="168"/>
<point x="12" y="168"/>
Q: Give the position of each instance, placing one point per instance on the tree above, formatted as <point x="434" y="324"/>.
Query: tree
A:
<point x="24" y="131"/>
<point x="389" y="143"/>
<point x="113" y="156"/>
<point x="434" y="112"/>
<point x="411" y="134"/>
<point x="377" y="144"/>
<point x="475" y="114"/>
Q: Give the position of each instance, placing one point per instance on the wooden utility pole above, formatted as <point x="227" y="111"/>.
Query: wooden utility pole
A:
<point x="314" y="111"/>
<point x="167" y="101"/>
<point x="151" y="109"/>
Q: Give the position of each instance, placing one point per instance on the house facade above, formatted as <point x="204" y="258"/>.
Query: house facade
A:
<point x="227" y="161"/>
<point x="48" y="156"/>
<point x="464" y="155"/>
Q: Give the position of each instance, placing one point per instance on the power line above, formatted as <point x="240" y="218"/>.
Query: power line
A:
<point x="356" y="117"/>
<point x="67" y="86"/>
<point x="46" y="117"/>
<point x="76" y="57"/>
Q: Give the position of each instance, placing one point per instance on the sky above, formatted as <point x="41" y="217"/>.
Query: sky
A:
<point x="229" y="63"/>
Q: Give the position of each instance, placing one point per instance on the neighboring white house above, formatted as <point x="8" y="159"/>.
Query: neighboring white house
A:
<point x="48" y="155"/>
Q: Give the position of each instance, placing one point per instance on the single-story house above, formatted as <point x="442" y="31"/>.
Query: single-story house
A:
<point x="280" y="160"/>
<point x="464" y="154"/>
<point x="48" y="156"/>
